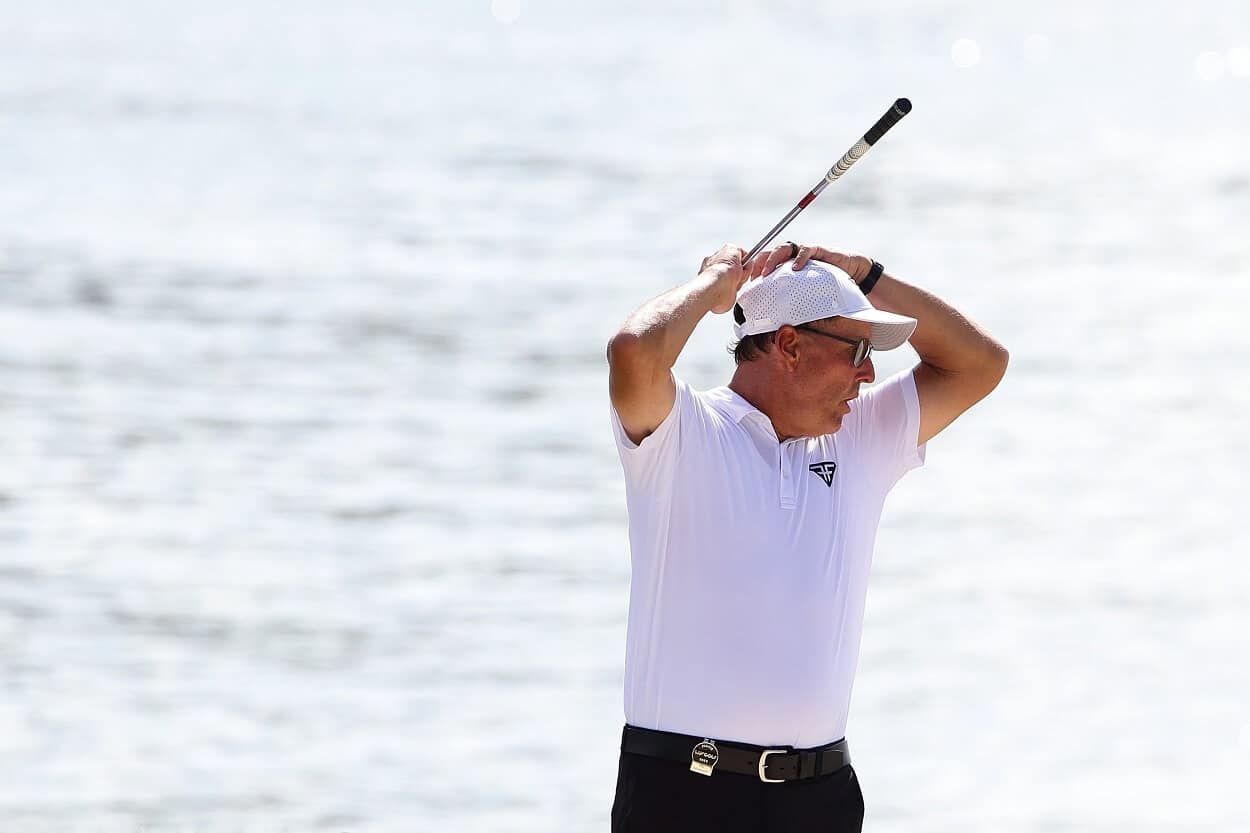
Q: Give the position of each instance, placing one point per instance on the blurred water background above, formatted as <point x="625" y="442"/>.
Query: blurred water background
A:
<point x="310" y="517"/>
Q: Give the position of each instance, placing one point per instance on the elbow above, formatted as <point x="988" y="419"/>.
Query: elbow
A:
<point x="983" y="366"/>
<point x="996" y="365"/>
<point x="983" y="373"/>
<point x="1001" y="358"/>
<point x="631" y="362"/>
<point x="628" y="356"/>
<point x="622" y="348"/>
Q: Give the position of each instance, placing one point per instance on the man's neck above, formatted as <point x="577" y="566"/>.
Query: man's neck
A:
<point x="754" y="390"/>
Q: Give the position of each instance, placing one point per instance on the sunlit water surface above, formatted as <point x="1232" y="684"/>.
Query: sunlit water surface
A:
<point x="310" y="517"/>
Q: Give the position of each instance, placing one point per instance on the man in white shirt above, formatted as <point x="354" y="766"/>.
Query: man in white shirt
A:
<point x="753" y="509"/>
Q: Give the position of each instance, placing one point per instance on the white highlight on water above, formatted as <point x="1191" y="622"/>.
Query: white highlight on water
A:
<point x="1036" y="48"/>
<point x="505" y="11"/>
<point x="965" y="53"/>
<point x="1209" y="65"/>
<point x="1238" y="61"/>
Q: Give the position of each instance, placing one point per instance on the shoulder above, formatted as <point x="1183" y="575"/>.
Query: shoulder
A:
<point x="882" y="430"/>
<point x="691" y="411"/>
<point x="889" y="401"/>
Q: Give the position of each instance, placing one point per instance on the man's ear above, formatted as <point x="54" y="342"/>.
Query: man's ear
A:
<point x="787" y="344"/>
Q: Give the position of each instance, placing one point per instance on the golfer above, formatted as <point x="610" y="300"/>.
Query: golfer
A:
<point x="753" y="509"/>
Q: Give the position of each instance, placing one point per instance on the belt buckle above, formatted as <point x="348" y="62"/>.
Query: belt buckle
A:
<point x="764" y="762"/>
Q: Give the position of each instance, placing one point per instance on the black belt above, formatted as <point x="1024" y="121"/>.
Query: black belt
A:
<point x="771" y="764"/>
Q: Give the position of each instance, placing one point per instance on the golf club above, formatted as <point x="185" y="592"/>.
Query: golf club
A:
<point x="901" y="108"/>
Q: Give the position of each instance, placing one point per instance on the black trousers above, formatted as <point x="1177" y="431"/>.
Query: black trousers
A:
<point x="654" y="795"/>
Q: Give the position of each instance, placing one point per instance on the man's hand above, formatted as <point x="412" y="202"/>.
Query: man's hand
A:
<point x="767" y="261"/>
<point x="723" y="269"/>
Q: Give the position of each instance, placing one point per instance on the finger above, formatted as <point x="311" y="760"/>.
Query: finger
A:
<point x="767" y="264"/>
<point x="777" y="257"/>
<point x="753" y="267"/>
<point x="804" y="255"/>
<point x="759" y="264"/>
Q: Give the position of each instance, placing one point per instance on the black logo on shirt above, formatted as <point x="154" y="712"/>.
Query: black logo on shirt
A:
<point x="825" y="470"/>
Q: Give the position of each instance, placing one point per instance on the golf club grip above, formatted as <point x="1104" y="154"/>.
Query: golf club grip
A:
<point x="901" y="108"/>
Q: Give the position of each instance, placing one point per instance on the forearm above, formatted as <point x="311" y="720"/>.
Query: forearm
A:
<point x="944" y="338"/>
<point x="656" y="332"/>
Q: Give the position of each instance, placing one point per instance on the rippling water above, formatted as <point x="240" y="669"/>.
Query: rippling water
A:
<point x="310" y="517"/>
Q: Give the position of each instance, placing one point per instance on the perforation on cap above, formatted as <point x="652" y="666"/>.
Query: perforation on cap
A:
<point x="761" y="303"/>
<point x="812" y="296"/>
<point x="788" y="297"/>
<point x="819" y="291"/>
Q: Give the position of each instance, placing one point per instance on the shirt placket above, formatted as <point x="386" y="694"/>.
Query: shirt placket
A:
<point x="788" y="461"/>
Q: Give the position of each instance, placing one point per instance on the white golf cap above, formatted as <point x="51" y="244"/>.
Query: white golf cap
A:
<point x="818" y="290"/>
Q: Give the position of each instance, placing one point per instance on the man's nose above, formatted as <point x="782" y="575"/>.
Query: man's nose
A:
<point x="867" y="373"/>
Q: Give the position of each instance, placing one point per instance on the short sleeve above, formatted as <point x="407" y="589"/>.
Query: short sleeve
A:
<point x="664" y="443"/>
<point x="883" y="427"/>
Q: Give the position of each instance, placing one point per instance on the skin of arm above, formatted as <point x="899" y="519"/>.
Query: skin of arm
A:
<point x="647" y="345"/>
<point x="960" y="362"/>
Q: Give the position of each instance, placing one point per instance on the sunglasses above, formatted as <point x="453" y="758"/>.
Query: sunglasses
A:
<point x="863" y="347"/>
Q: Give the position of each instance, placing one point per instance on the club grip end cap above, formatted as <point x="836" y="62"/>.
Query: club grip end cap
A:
<point x="901" y="108"/>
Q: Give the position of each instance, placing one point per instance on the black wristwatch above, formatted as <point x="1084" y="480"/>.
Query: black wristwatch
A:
<point x="874" y="274"/>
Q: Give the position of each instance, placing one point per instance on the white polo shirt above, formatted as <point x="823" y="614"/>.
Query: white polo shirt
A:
<point x="750" y="563"/>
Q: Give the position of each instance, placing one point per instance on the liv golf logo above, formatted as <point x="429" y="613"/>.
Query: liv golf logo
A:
<point x="824" y="471"/>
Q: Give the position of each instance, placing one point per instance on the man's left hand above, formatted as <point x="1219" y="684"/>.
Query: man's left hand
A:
<point x="767" y="261"/>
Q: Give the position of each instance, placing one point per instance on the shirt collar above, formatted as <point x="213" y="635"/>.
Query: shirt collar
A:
<point x="732" y="405"/>
<point x="729" y="403"/>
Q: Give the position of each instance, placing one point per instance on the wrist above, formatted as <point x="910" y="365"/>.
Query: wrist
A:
<point x="709" y="292"/>
<point x="862" y="266"/>
<point x="875" y="271"/>
<point x="855" y="266"/>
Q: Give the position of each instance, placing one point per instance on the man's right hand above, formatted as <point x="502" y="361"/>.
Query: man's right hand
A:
<point x="726" y="273"/>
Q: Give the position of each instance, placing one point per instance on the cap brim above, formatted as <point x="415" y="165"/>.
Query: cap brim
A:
<point x="888" y="330"/>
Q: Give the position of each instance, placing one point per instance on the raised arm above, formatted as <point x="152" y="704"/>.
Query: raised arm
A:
<point x="960" y="363"/>
<point x="641" y="354"/>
